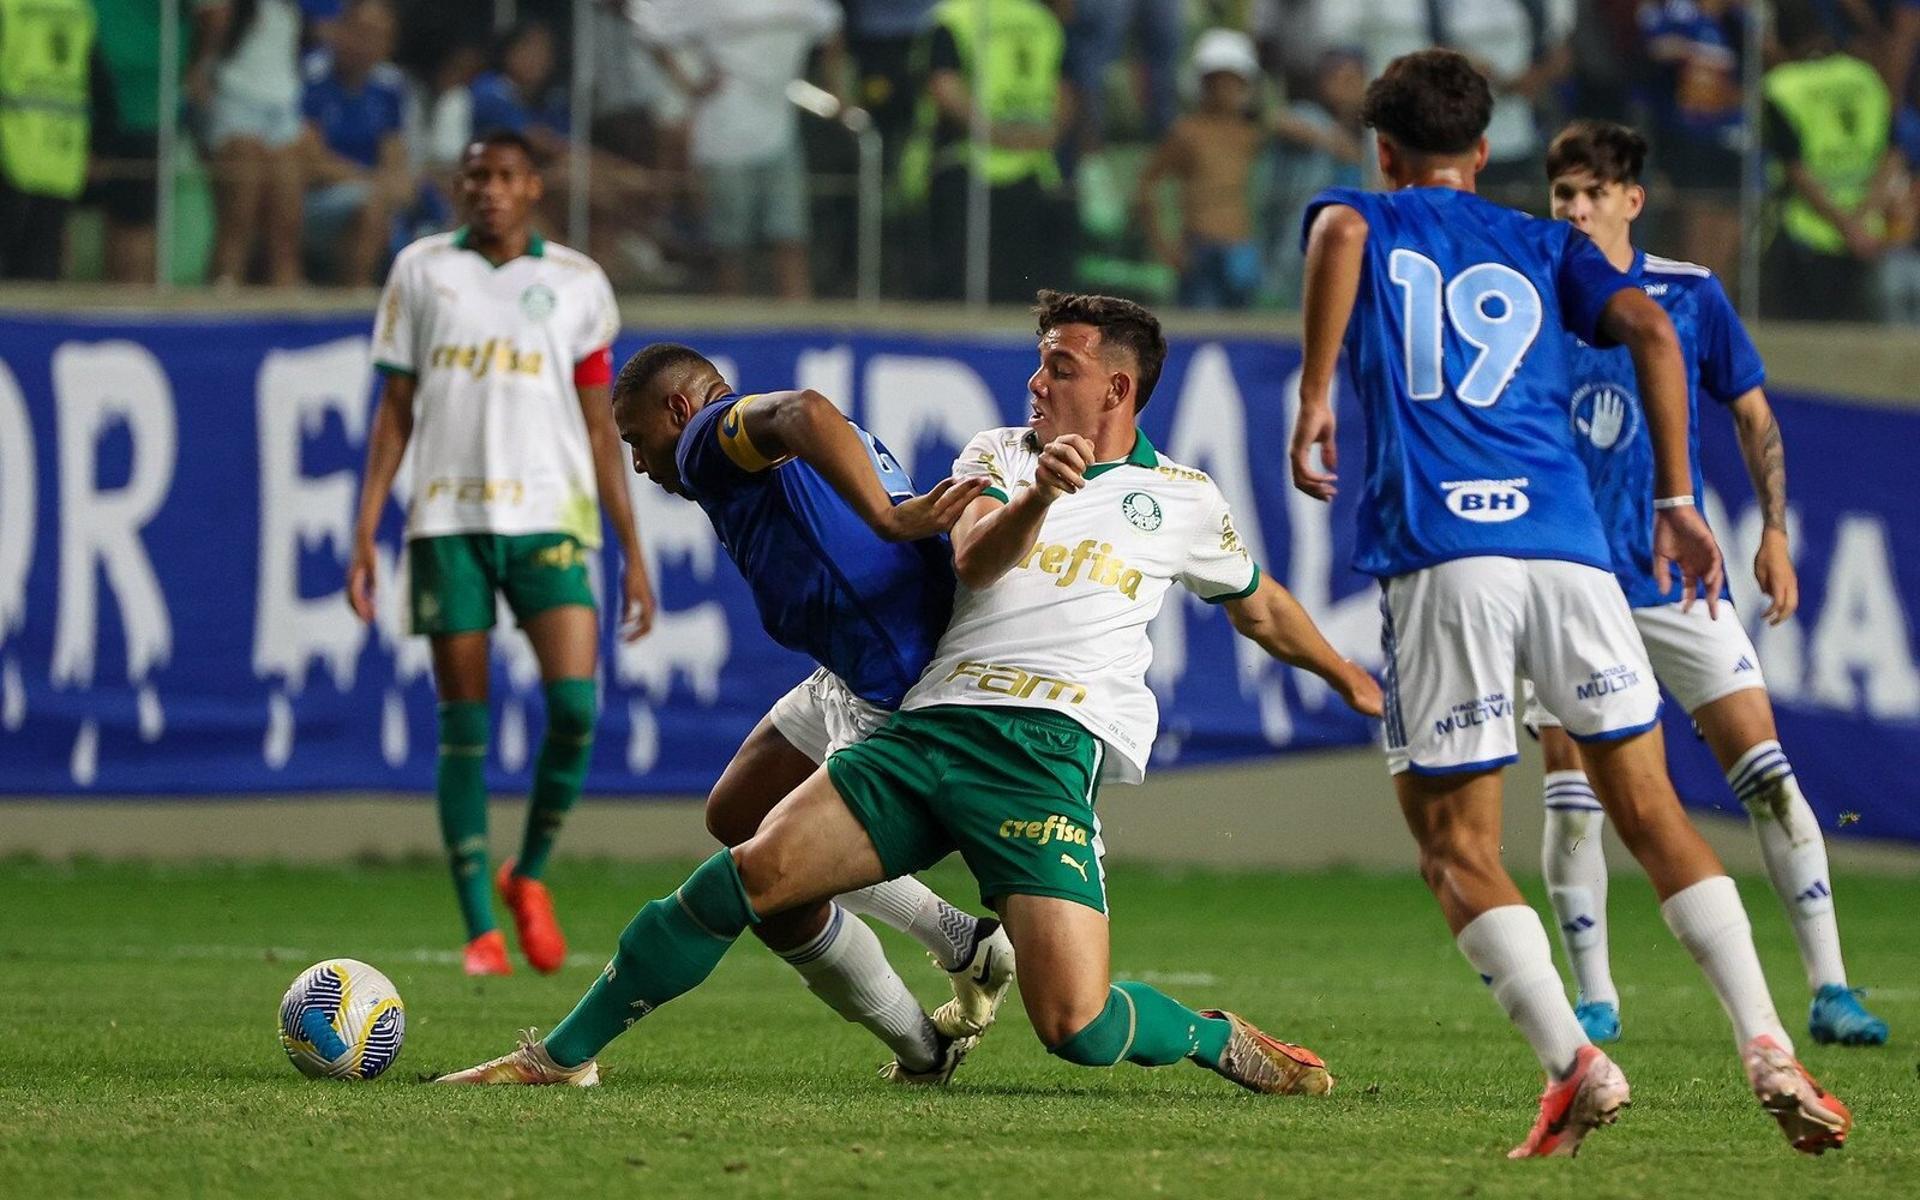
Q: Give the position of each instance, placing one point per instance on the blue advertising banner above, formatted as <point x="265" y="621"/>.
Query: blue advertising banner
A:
<point x="176" y="500"/>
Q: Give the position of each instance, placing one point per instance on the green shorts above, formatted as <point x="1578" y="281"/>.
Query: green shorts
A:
<point x="1012" y="789"/>
<point x="453" y="578"/>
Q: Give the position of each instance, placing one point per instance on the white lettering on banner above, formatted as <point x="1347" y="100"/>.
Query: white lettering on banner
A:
<point x="1861" y="654"/>
<point x="297" y="389"/>
<point x="829" y="372"/>
<point x="692" y="642"/>
<point x="907" y="399"/>
<point x="18" y="519"/>
<point x="96" y="386"/>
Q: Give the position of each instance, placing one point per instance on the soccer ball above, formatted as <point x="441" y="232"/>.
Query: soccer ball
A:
<point x="342" y="1019"/>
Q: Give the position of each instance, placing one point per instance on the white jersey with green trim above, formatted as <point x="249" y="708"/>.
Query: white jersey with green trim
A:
<point x="1066" y="628"/>
<point x="499" y="443"/>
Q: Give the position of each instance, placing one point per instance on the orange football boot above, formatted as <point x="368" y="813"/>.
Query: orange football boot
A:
<point x="1591" y="1095"/>
<point x="487" y="955"/>
<point x="533" y="920"/>
<point x="1814" y="1119"/>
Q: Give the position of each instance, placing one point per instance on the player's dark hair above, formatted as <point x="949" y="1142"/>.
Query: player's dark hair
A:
<point x="1120" y="322"/>
<point x="1606" y="150"/>
<point x="504" y="139"/>
<point x="650" y="363"/>
<point x="1430" y="102"/>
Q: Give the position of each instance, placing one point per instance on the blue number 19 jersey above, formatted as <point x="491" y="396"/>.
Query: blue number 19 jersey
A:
<point x="1610" y="427"/>
<point x="1456" y="348"/>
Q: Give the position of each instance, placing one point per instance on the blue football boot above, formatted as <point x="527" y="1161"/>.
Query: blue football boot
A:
<point x="1600" y="1019"/>
<point x="1838" y="1016"/>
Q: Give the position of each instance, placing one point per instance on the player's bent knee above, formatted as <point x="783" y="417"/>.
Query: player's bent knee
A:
<point x="726" y="821"/>
<point x="1099" y="1042"/>
<point x="571" y="709"/>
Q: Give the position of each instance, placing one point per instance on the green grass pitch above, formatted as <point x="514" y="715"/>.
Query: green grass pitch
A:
<point x="138" y="1056"/>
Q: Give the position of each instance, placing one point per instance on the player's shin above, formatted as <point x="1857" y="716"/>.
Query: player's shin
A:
<point x="460" y="792"/>
<point x="911" y="907"/>
<point x="1508" y="946"/>
<point x="1575" y="867"/>
<point x="845" y="966"/>
<point x="558" y="770"/>
<point x="1795" y="854"/>
<point x="1146" y="1027"/>
<point x="1710" y="922"/>
<point x="669" y="948"/>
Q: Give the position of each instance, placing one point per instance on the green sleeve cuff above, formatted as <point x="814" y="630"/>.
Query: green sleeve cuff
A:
<point x="995" y="493"/>
<point x="1242" y="594"/>
<point x="387" y="368"/>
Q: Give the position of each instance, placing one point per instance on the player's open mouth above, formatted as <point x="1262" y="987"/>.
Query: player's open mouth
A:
<point x="1035" y="415"/>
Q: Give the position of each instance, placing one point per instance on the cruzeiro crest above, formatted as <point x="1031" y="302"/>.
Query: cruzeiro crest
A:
<point x="1141" y="509"/>
<point x="537" y="302"/>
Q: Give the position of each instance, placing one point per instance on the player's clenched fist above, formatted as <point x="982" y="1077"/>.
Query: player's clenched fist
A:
<point x="1063" y="466"/>
<point x="1360" y="690"/>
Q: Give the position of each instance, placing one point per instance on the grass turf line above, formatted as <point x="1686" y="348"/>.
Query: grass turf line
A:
<point x="138" y="1056"/>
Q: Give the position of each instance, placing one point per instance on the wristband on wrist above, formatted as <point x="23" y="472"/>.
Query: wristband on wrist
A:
<point x="1661" y="502"/>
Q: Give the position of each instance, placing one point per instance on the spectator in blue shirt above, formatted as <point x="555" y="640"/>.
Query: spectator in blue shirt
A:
<point x="520" y="93"/>
<point x="1694" y="50"/>
<point x="355" y="108"/>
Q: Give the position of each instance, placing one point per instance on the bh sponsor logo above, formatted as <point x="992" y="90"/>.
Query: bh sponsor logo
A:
<point x="1606" y="682"/>
<point x="1487" y="501"/>
<point x="1493" y="706"/>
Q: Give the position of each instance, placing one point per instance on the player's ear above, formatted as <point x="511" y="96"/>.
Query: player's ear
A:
<point x="1119" y="389"/>
<point x="1480" y="155"/>
<point x="1636" y="201"/>
<point x="1384" y="153"/>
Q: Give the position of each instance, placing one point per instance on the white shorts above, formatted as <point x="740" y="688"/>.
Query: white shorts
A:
<point x="821" y="715"/>
<point x="1455" y="636"/>
<point x="1697" y="658"/>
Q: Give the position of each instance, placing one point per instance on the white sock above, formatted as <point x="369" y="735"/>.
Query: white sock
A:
<point x="1508" y="946"/>
<point x="846" y="968"/>
<point x="1711" y="924"/>
<point x="1575" y="865"/>
<point x="911" y="907"/>
<point x="1796" y="857"/>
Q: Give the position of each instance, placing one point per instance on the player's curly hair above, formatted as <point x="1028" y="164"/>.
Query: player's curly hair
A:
<point x="650" y="363"/>
<point x="1607" y="150"/>
<point x="1120" y="322"/>
<point x="1430" y="102"/>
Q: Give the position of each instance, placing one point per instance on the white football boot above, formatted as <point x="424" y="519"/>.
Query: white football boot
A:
<point x="949" y="1053"/>
<point x="979" y="984"/>
<point x="531" y="1065"/>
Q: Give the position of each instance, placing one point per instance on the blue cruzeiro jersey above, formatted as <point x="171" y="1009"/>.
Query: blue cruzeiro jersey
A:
<point x="1456" y="351"/>
<point x="825" y="584"/>
<point x="1610" y="427"/>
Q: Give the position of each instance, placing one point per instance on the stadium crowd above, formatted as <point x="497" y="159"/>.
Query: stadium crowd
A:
<point x="1157" y="148"/>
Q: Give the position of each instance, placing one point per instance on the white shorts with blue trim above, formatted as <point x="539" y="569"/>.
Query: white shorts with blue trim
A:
<point x="1456" y="635"/>
<point x="1696" y="657"/>
<point x="821" y="714"/>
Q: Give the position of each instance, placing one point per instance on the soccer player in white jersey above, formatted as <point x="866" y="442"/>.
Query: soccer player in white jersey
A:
<point x="1476" y="518"/>
<point x="1710" y="667"/>
<point x="1036" y="694"/>
<point x="494" y="349"/>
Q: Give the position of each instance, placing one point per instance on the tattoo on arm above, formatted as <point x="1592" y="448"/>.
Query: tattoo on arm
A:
<point x="1767" y="465"/>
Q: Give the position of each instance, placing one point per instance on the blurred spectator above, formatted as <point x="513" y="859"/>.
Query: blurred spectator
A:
<point x="1520" y="45"/>
<point x="1604" y="48"/>
<point x="355" y="107"/>
<point x="1900" y="270"/>
<point x="46" y="91"/>
<point x="521" y="94"/>
<point x="1697" y="49"/>
<point x="1097" y="33"/>
<point x="1323" y="143"/>
<point x="1211" y="151"/>
<point x="640" y="116"/>
<point x="442" y="109"/>
<point x="245" y="84"/>
<point x="1026" y="111"/>
<point x="880" y="36"/>
<point x="739" y="57"/>
<point x="1829" y="124"/>
<point x="125" y="179"/>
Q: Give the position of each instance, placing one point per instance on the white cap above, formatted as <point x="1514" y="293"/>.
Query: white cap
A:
<point x="1226" y="50"/>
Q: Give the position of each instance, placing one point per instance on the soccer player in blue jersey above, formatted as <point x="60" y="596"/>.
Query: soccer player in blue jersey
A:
<point x="1475" y="515"/>
<point x="851" y="568"/>
<point x="1709" y="666"/>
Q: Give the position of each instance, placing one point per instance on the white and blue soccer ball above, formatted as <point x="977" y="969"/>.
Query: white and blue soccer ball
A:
<point x="342" y="1020"/>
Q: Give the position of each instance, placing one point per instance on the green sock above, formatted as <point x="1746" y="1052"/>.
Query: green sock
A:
<point x="558" y="770"/>
<point x="460" y="786"/>
<point x="1148" y="1027"/>
<point x="670" y="947"/>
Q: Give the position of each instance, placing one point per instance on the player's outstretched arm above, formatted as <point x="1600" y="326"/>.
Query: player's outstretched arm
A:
<point x="806" y="425"/>
<point x="1680" y="533"/>
<point x="1336" y="252"/>
<point x="386" y="444"/>
<point x="1766" y="457"/>
<point x="1273" y="620"/>
<point x="610" y="476"/>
